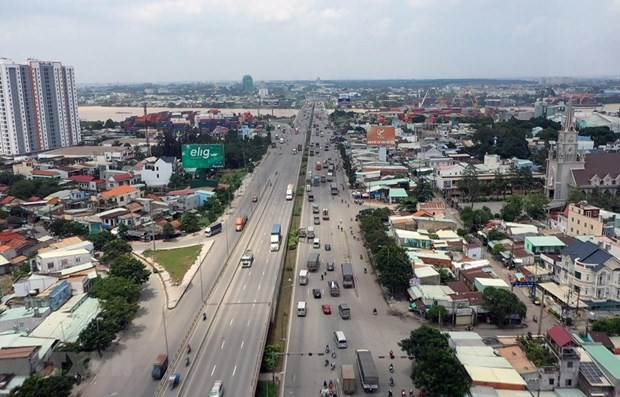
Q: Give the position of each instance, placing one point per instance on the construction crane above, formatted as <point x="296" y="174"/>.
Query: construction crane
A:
<point x="421" y="104"/>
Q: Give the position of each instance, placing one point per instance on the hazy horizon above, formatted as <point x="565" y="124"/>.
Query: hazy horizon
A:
<point x="114" y="41"/>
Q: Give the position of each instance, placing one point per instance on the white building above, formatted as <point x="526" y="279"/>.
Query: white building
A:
<point x="38" y="107"/>
<point x="157" y="172"/>
<point x="56" y="260"/>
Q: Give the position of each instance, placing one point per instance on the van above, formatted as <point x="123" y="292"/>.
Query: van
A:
<point x="301" y="310"/>
<point x="340" y="339"/>
<point x="345" y="311"/>
<point x="308" y="188"/>
<point x="316" y="243"/>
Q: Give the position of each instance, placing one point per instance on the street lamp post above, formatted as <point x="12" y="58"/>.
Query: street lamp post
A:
<point x="163" y="316"/>
<point x="97" y="319"/>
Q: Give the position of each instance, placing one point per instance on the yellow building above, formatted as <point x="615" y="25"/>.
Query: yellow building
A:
<point x="584" y="220"/>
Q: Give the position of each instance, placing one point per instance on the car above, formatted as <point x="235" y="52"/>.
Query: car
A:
<point x="254" y="199"/>
<point x="317" y="220"/>
<point x="330" y="265"/>
<point x="217" y="390"/>
<point x="316" y="292"/>
<point x="326" y="309"/>
<point x="328" y="247"/>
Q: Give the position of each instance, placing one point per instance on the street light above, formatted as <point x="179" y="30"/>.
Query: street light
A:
<point x="163" y="316"/>
<point x="97" y="319"/>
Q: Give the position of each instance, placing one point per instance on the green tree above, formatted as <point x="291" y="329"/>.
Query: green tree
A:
<point x="511" y="211"/>
<point x="119" y="311"/>
<point x="109" y="123"/>
<point x="110" y="287"/>
<point x="469" y="184"/>
<point x="609" y="325"/>
<point x="64" y="228"/>
<point x="431" y="375"/>
<point x="113" y="249"/>
<point x="168" y="231"/>
<point x="271" y="357"/>
<point x="130" y="268"/>
<point x="100" y="239"/>
<point x="497" y="249"/>
<point x="499" y="184"/>
<point x="575" y="196"/>
<point x="36" y="386"/>
<point x="408" y="204"/>
<point x="502" y="304"/>
<point x="97" y="335"/>
<point x="189" y="222"/>
<point x="536" y="205"/>
<point x="475" y="219"/>
<point x="436" y="312"/>
<point x="423" y="191"/>
<point x="445" y="276"/>
<point x="395" y="268"/>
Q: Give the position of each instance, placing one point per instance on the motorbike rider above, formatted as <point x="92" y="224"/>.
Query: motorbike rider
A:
<point x="374" y="311"/>
<point x="391" y="367"/>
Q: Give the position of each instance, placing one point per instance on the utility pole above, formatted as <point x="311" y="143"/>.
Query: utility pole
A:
<point x="540" y="316"/>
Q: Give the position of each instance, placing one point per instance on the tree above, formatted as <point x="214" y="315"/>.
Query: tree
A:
<point x="113" y="249"/>
<point x="445" y="276"/>
<point x="109" y="123"/>
<point x="119" y="311"/>
<point x="100" y="239"/>
<point x="436" y="313"/>
<point x="535" y="205"/>
<point x="110" y="287"/>
<point x="609" y="325"/>
<point x="168" y="231"/>
<point x="512" y="209"/>
<point x="497" y="249"/>
<point x="499" y="183"/>
<point x="189" y="222"/>
<point x="474" y="219"/>
<point x="469" y="184"/>
<point x="130" y="268"/>
<point x="575" y="196"/>
<point x="423" y="190"/>
<point x="97" y="335"/>
<point x="36" y="386"/>
<point x="64" y="228"/>
<point x="502" y="305"/>
<point x="408" y="204"/>
<point x="394" y="267"/>
<point x="271" y="357"/>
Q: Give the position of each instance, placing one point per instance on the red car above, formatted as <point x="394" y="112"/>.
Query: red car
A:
<point x="326" y="309"/>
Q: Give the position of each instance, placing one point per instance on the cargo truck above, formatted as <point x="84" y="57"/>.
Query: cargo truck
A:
<point x="247" y="258"/>
<point x="213" y="229"/>
<point x="276" y="237"/>
<point x="347" y="275"/>
<point x="314" y="262"/>
<point x="303" y="277"/>
<point x="240" y="222"/>
<point x="159" y="367"/>
<point x="348" y="379"/>
<point x="369" y="377"/>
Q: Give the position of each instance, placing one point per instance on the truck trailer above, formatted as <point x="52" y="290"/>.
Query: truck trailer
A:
<point x="314" y="262"/>
<point x="276" y="237"/>
<point x="348" y="379"/>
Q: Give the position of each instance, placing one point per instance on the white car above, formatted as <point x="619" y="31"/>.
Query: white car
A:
<point x="217" y="390"/>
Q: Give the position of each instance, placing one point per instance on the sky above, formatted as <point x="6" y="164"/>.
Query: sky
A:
<point x="109" y="41"/>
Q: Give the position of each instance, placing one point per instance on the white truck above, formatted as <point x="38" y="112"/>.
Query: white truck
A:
<point x="247" y="258"/>
<point x="276" y="237"/>
<point x="303" y="277"/>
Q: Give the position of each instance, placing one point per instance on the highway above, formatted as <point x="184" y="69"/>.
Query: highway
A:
<point x="229" y="345"/>
<point x="125" y="368"/>
<point x="304" y="373"/>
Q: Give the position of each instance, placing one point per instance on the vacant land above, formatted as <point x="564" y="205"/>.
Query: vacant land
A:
<point x="176" y="261"/>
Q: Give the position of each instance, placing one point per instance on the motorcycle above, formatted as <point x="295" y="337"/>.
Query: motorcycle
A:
<point x="391" y="381"/>
<point x="410" y="393"/>
<point x="189" y="349"/>
<point x="333" y="366"/>
<point x="374" y="311"/>
<point x="333" y="353"/>
<point x="326" y="349"/>
<point x="391" y="354"/>
<point x="186" y="361"/>
<point x="204" y="316"/>
<point x="326" y="362"/>
<point x="392" y="368"/>
<point x="403" y="393"/>
<point x="365" y="270"/>
<point x="390" y="393"/>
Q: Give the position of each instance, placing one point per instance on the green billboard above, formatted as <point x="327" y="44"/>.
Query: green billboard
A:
<point x="203" y="156"/>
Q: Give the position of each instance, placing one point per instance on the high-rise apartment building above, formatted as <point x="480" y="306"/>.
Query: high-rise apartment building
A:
<point x="38" y="107"/>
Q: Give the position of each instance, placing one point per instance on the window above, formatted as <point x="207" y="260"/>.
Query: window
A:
<point x="569" y="382"/>
<point x="578" y="275"/>
<point x="569" y="364"/>
<point x="551" y="381"/>
<point x="50" y="265"/>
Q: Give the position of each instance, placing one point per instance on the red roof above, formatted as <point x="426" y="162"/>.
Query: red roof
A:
<point x="33" y="199"/>
<point x="82" y="178"/>
<point x="4" y="188"/>
<point x="44" y="173"/>
<point x="182" y="192"/>
<point x="7" y="200"/>
<point x="7" y="236"/>
<point x="560" y="336"/>
<point x="122" y="177"/>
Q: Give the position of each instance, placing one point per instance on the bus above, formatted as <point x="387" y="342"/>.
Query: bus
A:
<point x="333" y="188"/>
<point x="289" y="191"/>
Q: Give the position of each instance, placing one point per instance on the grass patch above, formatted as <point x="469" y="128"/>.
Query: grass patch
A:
<point x="6" y="284"/>
<point x="176" y="261"/>
<point x="266" y="389"/>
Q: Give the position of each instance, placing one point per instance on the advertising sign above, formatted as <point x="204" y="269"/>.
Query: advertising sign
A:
<point x="203" y="156"/>
<point x="381" y="136"/>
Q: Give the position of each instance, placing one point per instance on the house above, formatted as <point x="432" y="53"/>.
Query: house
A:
<point x="44" y="174"/>
<point x="116" y="179"/>
<point x="56" y="260"/>
<point x="472" y="250"/>
<point x="118" y="196"/>
<point x="157" y="172"/>
<point x="543" y="245"/>
<point x="427" y="275"/>
<point x="585" y="220"/>
<point x="25" y="285"/>
<point x="20" y="361"/>
<point x="436" y="208"/>
<point x="564" y="347"/>
<point x="88" y="183"/>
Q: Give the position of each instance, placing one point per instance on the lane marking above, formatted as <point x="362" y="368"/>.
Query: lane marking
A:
<point x="242" y="343"/>
<point x="223" y="343"/>
<point x="234" y="370"/>
<point x="259" y="287"/>
<point x="231" y="322"/>
<point x="213" y="370"/>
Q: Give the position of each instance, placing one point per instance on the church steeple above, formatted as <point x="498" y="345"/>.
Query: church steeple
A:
<point x="567" y="139"/>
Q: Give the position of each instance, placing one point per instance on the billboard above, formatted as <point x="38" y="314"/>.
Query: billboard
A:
<point x="202" y="156"/>
<point x="381" y="136"/>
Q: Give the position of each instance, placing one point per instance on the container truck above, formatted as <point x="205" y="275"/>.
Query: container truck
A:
<point x="313" y="263"/>
<point x="289" y="191"/>
<point x="348" y="379"/>
<point x="213" y="229"/>
<point x="159" y="367"/>
<point x="369" y="377"/>
<point x="276" y="237"/>
<point x="347" y="275"/>
<point x="240" y="222"/>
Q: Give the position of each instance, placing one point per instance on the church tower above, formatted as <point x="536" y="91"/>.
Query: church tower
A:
<point x="563" y="157"/>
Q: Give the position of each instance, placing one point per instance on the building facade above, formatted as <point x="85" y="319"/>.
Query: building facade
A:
<point x="584" y="220"/>
<point x="38" y="107"/>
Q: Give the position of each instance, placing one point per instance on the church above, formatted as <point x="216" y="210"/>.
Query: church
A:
<point x="568" y="168"/>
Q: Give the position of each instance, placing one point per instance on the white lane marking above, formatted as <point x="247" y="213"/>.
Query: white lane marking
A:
<point x="223" y="343"/>
<point x="213" y="370"/>
<point x="242" y="343"/>
<point x="248" y="324"/>
<point x="259" y="287"/>
<point x="234" y="370"/>
<point x="244" y="287"/>
<point x="231" y="321"/>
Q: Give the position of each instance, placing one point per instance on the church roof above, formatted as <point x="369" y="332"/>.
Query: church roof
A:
<point x="599" y="164"/>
